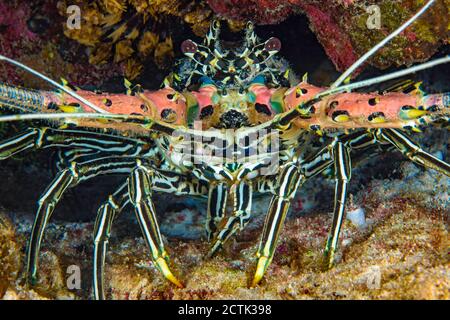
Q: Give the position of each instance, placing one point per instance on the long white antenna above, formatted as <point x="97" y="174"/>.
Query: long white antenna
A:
<point x="54" y="83"/>
<point x="386" y="77"/>
<point x="369" y="53"/>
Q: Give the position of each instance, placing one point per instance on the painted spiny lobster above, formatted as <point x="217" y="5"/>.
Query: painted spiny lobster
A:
<point x="226" y="125"/>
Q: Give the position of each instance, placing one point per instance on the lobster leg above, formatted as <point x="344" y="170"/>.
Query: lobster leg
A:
<point x="66" y="178"/>
<point x="412" y="150"/>
<point x="295" y="174"/>
<point x="110" y="209"/>
<point x="342" y="171"/>
<point x="25" y="140"/>
<point x="217" y="201"/>
<point x="102" y="230"/>
<point x="47" y="203"/>
<point x="140" y="185"/>
<point x="44" y="137"/>
<point x="242" y="204"/>
<point x="288" y="183"/>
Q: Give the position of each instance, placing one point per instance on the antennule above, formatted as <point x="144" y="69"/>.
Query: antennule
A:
<point x="54" y="83"/>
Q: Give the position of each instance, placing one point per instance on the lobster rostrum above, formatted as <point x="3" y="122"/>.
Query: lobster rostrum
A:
<point x="230" y="122"/>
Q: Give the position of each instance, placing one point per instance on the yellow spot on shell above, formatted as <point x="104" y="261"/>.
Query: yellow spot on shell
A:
<point x="341" y="118"/>
<point x="413" y="113"/>
<point x="378" y="119"/>
<point x="69" y="108"/>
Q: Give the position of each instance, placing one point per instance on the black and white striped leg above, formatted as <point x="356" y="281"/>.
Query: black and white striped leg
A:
<point x="66" y="178"/>
<point x="47" y="203"/>
<point x="28" y="139"/>
<point x="107" y="212"/>
<point x="242" y="205"/>
<point x="342" y="171"/>
<point x="217" y="202"/>
<point x="140" y="190"/>
<point x="73" y="142"/>
<point x="412" y="150"/>
<point x="287" y="185"/>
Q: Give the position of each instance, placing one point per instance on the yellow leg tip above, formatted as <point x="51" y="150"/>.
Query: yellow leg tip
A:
<point x="329" y="259"/>
<point x="261" y="267"/>
<point x="162" y="265"/>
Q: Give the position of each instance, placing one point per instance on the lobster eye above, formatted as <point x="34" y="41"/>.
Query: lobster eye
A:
<point x="189" y="47"/>
<point x="273" y="44"/>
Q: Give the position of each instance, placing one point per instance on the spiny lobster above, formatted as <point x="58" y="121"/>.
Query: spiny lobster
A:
<point x="227" y="124"/>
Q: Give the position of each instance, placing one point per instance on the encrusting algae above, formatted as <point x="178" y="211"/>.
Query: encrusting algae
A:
<point x="131" y="31"/>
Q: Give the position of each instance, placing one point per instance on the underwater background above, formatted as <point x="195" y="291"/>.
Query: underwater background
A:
<point x="394" y="243"/>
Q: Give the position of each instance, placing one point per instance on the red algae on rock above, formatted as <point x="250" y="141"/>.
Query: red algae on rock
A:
<point x="341" y="26"/>
<point x="43" y="46"/>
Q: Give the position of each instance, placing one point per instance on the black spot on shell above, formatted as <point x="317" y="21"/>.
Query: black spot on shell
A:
<point x="407" y="107"/>
<point x="108" y="102"/>
<point x="170" y="96"/>
<point x="262" y="108"/>
<point x="372" y="101"/>
<point x="339" y="113"/>
<point x="433" y="108"/>
<point x="375" y="115"/>
<point x="52" y="106"/>
<point x="303" y="91"/>
<point x="206" y="111"/>
<point x="167" y="114"/>
<point x="144" y="108"/>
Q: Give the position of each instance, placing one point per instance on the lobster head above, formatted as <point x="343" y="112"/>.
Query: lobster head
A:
<point x="233" y="83"/>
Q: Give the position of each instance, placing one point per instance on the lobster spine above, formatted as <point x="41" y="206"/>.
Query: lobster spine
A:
<point x="368" y="110"/>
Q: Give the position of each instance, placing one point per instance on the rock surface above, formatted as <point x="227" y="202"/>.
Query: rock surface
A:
<point x="401" y="252"/>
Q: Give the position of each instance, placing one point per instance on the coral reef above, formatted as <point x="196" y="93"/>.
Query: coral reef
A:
<point x="123" y="37"/>
<point x="129" y="32"/>
<point x="398" y="249"/>
<point x="28" y="35"/>
<point x="342" y="26"/>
